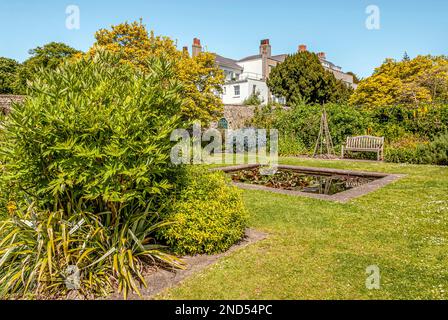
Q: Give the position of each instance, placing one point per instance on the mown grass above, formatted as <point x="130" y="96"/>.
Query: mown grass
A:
<point x="320" y="250"/>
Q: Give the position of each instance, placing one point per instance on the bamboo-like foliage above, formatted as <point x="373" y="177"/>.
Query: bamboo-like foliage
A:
<point x="90" y="142"/>
<point x="95" y="130"/>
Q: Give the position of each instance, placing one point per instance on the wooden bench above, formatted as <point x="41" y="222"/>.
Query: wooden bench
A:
<point x="365" y="144"/>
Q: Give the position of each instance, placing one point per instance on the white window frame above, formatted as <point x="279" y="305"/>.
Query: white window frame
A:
<point x="235" y="90"/>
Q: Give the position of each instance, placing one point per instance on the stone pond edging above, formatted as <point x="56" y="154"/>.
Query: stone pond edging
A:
<point x="341" y="197"/>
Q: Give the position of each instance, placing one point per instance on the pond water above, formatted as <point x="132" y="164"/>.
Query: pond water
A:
<point x="295" y="180"/>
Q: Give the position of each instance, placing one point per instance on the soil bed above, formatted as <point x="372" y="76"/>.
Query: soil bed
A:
<point x="159" y="279"/>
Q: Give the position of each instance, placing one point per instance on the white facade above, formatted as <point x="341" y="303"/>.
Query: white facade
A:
<point x="236" y="92"/>
<point x="231" y="74"/>
<point x="246" y="77"/>
<point x="252" y="69"/>
<point x="242" y="80"/>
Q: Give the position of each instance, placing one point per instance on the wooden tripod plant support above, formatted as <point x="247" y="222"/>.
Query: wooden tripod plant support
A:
<point x="324" y="145"/>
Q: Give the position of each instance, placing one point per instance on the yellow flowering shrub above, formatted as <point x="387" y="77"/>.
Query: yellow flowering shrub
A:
<point x="208" y="216"/>
<point x="415" y="82"/>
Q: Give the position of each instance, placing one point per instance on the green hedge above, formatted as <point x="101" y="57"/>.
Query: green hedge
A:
<point x="434" y="152"/>
<point x="299" y="127"/>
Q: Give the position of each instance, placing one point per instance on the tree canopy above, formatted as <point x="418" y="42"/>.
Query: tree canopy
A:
<point x="302" y="78"/>
<point x="49" y="56"/>
<point x="200" y="77"/>
<point x="8" y="70"/>
<point x="413" y="82"/>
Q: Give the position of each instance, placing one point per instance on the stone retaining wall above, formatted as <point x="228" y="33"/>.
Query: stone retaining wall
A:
<point x="237" y="116"/>
<point x="6" y="101"/>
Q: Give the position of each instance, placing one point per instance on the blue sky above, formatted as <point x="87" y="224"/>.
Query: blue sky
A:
<point x="234" y="28"/>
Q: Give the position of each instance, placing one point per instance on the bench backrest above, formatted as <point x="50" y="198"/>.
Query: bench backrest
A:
<point x="365" y="142"/>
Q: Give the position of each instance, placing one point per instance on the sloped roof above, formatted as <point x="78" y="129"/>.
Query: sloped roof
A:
<point x="227" y="62"/>
<point x="331" y="64"/>
<point x="254" y="57"/>
<point x="280" y="57"/>
<point x="231" y="63"/>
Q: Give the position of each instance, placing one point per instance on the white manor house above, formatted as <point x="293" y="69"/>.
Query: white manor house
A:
<point x="248" y="76"/>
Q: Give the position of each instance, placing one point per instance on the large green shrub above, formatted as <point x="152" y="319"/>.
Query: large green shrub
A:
<point x="290" y="145"/>
<point x="93" y="130"/>
<point x="434" y="152"/>
<point x="397" y="122"/>
<point x="209" y="215"/>
<point x="91" y="141"/>
<point x="253" y="100"/>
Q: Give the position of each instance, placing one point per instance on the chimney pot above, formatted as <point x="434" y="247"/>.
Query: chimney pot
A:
<point x="302" y="48"/>
<point x="265" y="48"/>
<point x="322" y="55"/>
<point x="196" y="48"/>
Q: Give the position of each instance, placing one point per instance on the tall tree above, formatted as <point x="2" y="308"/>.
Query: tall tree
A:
<point x="414" y="82"/>
<point x="200" y="77"/>
<point x="49" y="56"/>
<point x="406" y="56"/>
<point x="302" y="78"/>
<point x="8" y="73"/>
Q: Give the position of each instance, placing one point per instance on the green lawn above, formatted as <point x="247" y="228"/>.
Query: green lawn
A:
<point x="320" y="250"/>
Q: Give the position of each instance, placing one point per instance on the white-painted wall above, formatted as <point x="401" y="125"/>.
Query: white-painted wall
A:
<point x="260" y="87"/>
<point x="252" y="69"/>
<point x="231" y="74"/>
<point x="246" y="90"/>
<point x="229" y="96"/>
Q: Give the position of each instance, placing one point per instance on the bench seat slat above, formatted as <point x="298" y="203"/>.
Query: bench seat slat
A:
<point x="361" y="149"/>
<point x="365" y="143"/>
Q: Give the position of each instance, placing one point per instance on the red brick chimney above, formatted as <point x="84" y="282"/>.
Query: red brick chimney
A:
<point x="196" y="48"/>
<point x="302" y="48"/>
<point x="265" y="48"/>
<point x="265" y="52"/>
<point x="322" y="55"/>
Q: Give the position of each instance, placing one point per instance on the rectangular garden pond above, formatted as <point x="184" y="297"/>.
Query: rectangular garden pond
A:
<point x="321" y="183"/>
